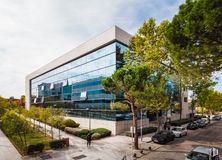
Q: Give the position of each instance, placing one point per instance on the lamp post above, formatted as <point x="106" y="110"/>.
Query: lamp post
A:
<point x="89" y="118"/>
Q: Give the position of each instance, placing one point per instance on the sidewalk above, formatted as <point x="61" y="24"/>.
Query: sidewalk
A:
<point x="110" y="148"/>
<point x="7" y="150"/>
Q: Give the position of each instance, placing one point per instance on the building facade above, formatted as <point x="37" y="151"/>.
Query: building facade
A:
<point x="74" y="81"/>
<point x="75" y="78"/>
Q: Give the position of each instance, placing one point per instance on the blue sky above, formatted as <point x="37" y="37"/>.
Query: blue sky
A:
<point x="34" y="33"/>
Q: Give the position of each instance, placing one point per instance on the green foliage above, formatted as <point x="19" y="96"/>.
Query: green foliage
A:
<point x="74" y="131"/>
<point x="56" y="144"/>
<point x="35" y="148"/>
<point x="82" y="133"/>
<point x="214" y="101"/>
<point x="15" y="125"/>
<point x="148" y="45"/>
<point x="195" y="37"/>
<point x="102" y="131"/>
<point x="201" y="88"/>
<point x="119" y="106"/>
<point x="96" y="136"/>
<point x="70" y="123"/>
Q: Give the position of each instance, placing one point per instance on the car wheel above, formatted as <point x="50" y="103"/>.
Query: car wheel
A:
<point x="180" y="135"/>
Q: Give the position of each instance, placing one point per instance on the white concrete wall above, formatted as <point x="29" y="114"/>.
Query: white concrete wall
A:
<point x="117" y="127"/>
<point x="185" y="108"/>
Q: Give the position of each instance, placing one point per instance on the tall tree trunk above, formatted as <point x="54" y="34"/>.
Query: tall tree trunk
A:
<point x="192" y="108"/>
<point x="133" y="108"/>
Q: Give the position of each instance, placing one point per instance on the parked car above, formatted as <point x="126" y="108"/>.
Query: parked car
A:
<point x="193" y="126"/>
<point x="163" y="137"/>
<point x="203" y="153"/>
<point x="179" y="131"/>
<point x="206" y="120"/>
<point x="216" y="118"/>
<point x="202" y="123"/>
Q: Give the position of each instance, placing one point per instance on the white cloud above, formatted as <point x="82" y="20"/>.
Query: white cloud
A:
<point x="35" y="32"/>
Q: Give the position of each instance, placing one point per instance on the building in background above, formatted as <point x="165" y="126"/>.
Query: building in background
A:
<point x="73" y="82"/>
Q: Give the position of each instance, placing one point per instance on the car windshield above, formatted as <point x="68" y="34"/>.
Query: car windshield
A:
<point x="198" y="156"/>
<point x="162" y="132"/>
<point x="177" y="129"/>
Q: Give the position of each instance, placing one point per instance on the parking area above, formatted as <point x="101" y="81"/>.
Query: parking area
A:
<point x="176" y="150"/>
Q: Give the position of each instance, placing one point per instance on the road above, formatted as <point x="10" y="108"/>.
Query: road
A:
<point x="176" y="150"/>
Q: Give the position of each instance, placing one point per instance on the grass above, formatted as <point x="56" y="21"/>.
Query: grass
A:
<point x="38" y="137"/>
<point x="32" y="138"/>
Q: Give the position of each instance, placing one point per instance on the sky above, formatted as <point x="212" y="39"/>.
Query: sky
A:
<point x="33" y="33"/>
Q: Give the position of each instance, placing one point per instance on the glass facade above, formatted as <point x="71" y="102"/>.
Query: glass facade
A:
<point x="79" y="81"/>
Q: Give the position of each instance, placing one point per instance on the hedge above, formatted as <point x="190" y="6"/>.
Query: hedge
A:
<point x="74" y="131"/>
<point x="35" y="148"/>
<point x="82" y="133"/>
<point x="102" y="131"/>
<point x="146" y="130"/>
<point x="56" y="144"/>
<point x="70" y="123"/>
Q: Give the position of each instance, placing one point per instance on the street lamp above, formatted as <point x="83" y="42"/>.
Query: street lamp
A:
<point x="89" y="118"/>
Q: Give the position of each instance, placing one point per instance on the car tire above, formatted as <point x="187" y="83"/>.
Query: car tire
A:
<point x="180" y="135"/>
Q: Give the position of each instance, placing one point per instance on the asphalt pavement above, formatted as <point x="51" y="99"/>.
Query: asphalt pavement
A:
<point x="176" y="150"/>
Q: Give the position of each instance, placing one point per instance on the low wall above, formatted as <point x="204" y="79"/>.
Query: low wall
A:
<point x="117" y="127"/>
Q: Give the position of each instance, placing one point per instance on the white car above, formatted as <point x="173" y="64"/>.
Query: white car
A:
<point x="179" y="131"/>
<point x="203" y="153"/>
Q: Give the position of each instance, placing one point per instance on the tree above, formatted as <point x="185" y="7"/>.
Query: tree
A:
<point x="150" y="46"/>
<point x="4" y="105"/>
<point x="214" y="101"/>
<point x="22" y="99"/>
<point x="56" y="119"/>
<point x="201" y="88"/>
<point x="15" y="125"/>
<point x="154" y="96"/>
<point x="127" y="81"/>
<point x="45" y="115"/>
<point x="34" y="113"/>
<point x="195" y="37"/>
<point x="119" y="106"/>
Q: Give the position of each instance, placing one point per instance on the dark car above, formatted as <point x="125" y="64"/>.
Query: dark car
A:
<point x="163" y="137"/>
<point x="202" y="123"/>
<point x="216" y="118"/>
<point x="192" y="126"/>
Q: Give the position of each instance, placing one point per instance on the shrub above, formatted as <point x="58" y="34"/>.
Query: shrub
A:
<point x="83" y="133"/>
<point x="146" y="130"/>
<point x="56" y="144"/>
<point x="74" y="131"/>
<point x="96" y="136"/>
<point x="70" y="123"/>
<point x="35" y="148"/>
<point x="102" y="131"/>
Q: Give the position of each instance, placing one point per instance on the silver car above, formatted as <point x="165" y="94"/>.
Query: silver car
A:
<point x="203" y="153"/>
<point x="179" y="131"/>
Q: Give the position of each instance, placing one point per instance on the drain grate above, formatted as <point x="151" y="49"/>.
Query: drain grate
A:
<point x="45" y="156"/>
<point x="79" y="157"/>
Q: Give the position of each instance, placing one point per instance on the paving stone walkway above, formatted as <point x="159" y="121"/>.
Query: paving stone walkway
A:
<point x="7" y="150"/>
